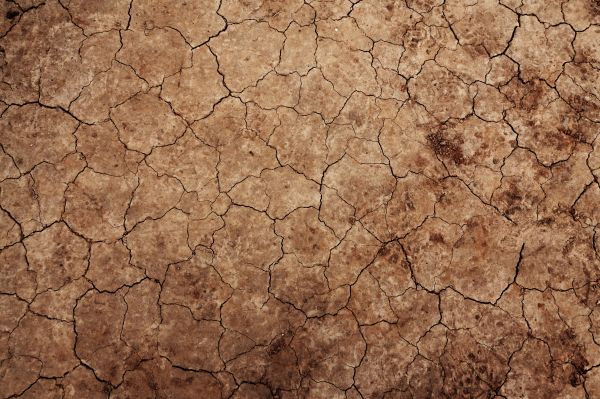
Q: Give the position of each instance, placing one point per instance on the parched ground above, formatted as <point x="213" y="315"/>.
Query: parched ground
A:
<point x="300" y="199"/>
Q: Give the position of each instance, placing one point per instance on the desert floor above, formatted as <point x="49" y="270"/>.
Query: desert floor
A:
<point x="297" y="199"/>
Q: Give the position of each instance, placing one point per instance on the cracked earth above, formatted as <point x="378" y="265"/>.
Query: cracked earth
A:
<point x="300" y="199"/>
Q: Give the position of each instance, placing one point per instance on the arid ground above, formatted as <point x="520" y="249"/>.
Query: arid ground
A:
<point x="299" y="199"/>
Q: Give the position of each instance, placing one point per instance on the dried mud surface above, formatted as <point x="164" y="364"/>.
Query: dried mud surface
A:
<point x="300" y="199"/>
